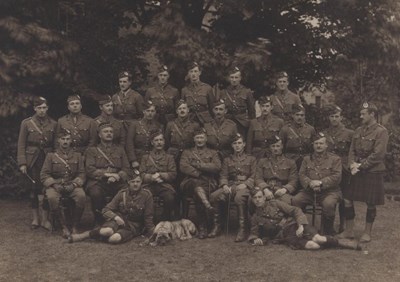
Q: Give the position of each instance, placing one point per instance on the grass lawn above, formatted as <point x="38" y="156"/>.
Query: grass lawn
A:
<point x="40" y="256"/>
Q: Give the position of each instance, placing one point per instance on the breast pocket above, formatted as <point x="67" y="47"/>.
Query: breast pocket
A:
<point x="84" y="133"/>
<point x="130" y="106"/>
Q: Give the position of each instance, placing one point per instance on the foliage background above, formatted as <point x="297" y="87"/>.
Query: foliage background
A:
<point x="55" y="48"/>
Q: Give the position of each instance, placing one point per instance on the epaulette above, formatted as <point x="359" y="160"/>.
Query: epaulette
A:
<point x="230" y="121"/>
<point x="380" y="125"/>
<point x="147" y="191"/>
<point x="27" y="119"/>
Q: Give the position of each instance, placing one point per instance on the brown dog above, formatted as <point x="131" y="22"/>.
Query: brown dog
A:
<point x="166" y="231"/>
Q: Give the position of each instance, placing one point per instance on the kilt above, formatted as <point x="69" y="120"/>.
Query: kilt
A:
<point x="366" y="187"/>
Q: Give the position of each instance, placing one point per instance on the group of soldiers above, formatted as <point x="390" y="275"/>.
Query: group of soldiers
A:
<point x="207" y="147"/>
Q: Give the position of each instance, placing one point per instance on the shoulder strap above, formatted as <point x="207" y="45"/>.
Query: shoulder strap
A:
<point x="154" y="163"/>
<point x="36" y="127"/>
<point x="105" y="156"/>
<point x="279" y="102"/>
<point x="63" y="161"/>
<point x="177" y="129"/>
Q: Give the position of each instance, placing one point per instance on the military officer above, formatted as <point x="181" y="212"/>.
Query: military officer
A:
<point x="36" y="138"/>
<point x="106" y="167"/>
<point x="138" y="138"/>
<point x="262" y="129"/>
<point x="220" y="131"/>
<point x="239" y="101"/>
<point x="82" y="127"/>
<point x="198" y="95"/>
<point x="63" y="174"/>
<point x="164" y="96"/>
<point x="277" y="174"/>
<point x="297" y="136"/>
<point x="366" y="161"/>
<point x="159" y="173"/>
<point x="128" y="214"/>
<point x="179" y="132"/>
<point x="339" y="140"/>
<point x="236" y="179"/>
<point x="107" y="107"/>
<point x="128" y="104"/>
<point x="200" y="167"/>
<point x="283" y="99"/>
<point x="320" y="176"/>
<point x="282" y="223"/>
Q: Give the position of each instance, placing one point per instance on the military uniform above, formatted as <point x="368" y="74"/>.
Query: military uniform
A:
<point x="220" y="136"/>
<point x="118" y="128"/>
<point x="297" y="140"/>
<point x="138" y="138"/>
<point x="327" y="168"/>
<point x="83" y="131"/>
<point x="135" y="208"/>
<point x="164" y="164"/>
<point x="236" y="169"/>
<point x="278" y="220"/>
<point x="239" y="102"/>
<point x="368" y="147"/>
<point x="199" y="97"/>
<point x="200" y="168"/>
<point x="128" y="106"/>
<point x="277" y="172"/>
<point x="179" y="136"/>
<point x="283" y="104"/>
<point x="262" y="130"/>
<point x="164" y="99"/>
<point x="100" y="160"/>
<point x="61" y="169"/>
<point x="36" y="138"/>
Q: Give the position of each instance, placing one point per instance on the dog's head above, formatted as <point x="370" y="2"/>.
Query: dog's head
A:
<point x="163" y="238"/>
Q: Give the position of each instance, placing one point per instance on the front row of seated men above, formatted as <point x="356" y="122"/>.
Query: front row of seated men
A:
<point x="107" y="170"/>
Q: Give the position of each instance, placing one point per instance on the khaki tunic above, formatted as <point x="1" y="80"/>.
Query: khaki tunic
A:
<point x="297" y="140"/>
<point x="127" y="106"/>
<point x="220" y="136"/>
<point x="238" y="169"/>
<point x="165" y="99"/>
<point x="118" y="129"/>
<point x="199" y="97"/>
<point x="283" y="104"/>
<point x="339" y="140"/>
<point x="83" y="131"/>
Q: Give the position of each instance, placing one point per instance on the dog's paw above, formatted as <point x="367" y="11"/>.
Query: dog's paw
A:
<point x="145" y="243"/>
<point x="153" y="244"/>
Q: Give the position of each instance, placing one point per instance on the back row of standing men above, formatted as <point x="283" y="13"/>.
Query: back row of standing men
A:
<point x="128" y="123"/>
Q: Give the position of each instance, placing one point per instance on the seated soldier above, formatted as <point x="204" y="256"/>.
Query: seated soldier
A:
<point x="320" y="175"/>
<point x="159" y="173"/>
<point x="200" y="167"/>
<point x="107" y="167"/>
<point x="63" y="175"/>
<point x="278" y="221"/>
<point x="277" y="173"/>
<point x="129" y="212"/>
<point x="236" y="180"/>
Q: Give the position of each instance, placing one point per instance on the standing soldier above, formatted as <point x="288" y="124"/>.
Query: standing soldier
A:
<point x="283" y="99"/>
<point x="107" y="107"/>
<point x="138" y="137"/>
<point x="159" y="173"/>
<point x="63" y="175"/>
<point x="366" y="160"/>
<point x="220" y="131"/>
<point x="127" y="102"/>
<point x="277" y="174"/>
<point x="239" y="101"/>
<point x="263" y="129"/>
<point x="36" y="138"/>
<point x="164" y="96"/>
<point x="200" y="167"/>
<point x="339" y="140"/>
<point x="82" y="127"/>
<point x="198" y="95"/>
<point x="106" y="167"/>
<point x="127" y="215"/>
<point x="236" y="180"/>
<point x="320" y="176"/>
<point x="179" y="133"/>
<point x="297" y="136"/>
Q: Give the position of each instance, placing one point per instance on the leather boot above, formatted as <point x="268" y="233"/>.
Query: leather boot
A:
<point x="65" y="231"/>
<point x="78" y="237"/>
<point x="216" y="230"/>
<point x="201" y="194"/>
<point x="349" y="244"/>
<point x="78" y="211"/>
<point x="241" y="235"/>
<point x="35" y="219"/>
<point x="327" y="225"/>
<point x="342" y="218"/>
<point x="201" y="219"/>
<point x="366" y="236"/>
<point x="348" y="233"/>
